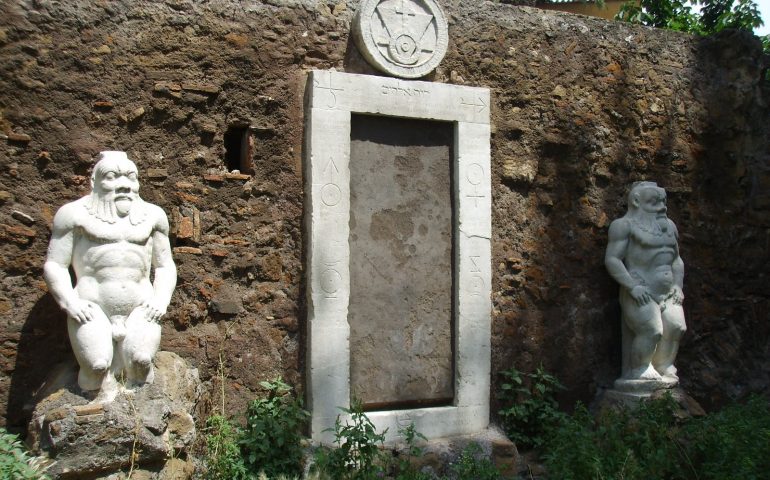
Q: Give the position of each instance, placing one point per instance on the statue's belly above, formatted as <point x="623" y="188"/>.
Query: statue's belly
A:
<point x="658" y="279"/>
<point x="116" y="277"/>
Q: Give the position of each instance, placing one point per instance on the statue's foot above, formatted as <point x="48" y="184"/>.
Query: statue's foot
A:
<point x="668" y="371"/>
<point x="105" y="396"/>
<point x="643" y="373"/>
<point x="140" y="373"/>
<point x="669" y="374"/>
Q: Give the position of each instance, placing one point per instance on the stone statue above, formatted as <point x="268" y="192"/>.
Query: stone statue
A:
<point x="112" y="239"/>
<point x="643" y="257"/>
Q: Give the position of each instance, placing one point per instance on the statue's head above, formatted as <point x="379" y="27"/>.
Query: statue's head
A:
<point x="647" y="198"/>
<point x="115" y="186"/>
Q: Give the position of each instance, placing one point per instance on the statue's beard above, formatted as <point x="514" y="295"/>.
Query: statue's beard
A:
<point x="655" y="223"/>
<point x="109" y="207"/>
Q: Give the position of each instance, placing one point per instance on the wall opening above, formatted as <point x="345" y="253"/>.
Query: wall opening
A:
<point x="238" y="148"/>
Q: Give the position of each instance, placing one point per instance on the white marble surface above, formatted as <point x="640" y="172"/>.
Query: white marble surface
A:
<point x="403" y="38"/>
<point x="643" y="257"/>
<point x="332" y="97"/>
<point x="114" y="241"/>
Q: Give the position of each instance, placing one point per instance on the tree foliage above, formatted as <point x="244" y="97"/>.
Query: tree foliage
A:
<point x="714" y="15"/>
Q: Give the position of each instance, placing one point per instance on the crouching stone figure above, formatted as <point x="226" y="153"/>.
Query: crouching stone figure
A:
<point x="643" y="257"/>
<point x="112" y="239"/>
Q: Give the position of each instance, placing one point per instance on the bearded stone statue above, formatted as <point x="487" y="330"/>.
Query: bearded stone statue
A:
<point x="112" y="239"/>
<point x="643" y="257"/>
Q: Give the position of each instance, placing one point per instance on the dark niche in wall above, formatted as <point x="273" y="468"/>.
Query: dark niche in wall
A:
<point x="238" y="148"/>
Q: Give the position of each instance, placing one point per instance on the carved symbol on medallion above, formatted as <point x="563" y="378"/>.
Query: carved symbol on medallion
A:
<point x="330" y="282"/>
<point x="330" y="192"/>
<point x="475" y="175"/>
<point x="405" y="38"/>
<point x="332" y="103"/>
<point x="480" y="104"/>
<point x="405" y="28"/>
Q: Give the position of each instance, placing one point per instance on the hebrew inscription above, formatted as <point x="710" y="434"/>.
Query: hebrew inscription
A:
<point x="404" y="38"/>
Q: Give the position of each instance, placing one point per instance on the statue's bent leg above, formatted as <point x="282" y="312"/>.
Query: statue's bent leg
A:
<point x="92" y="344"/>
<point x="139" y="347"/>
<point x="645" y="323"/>
<point x="673" y="329"/>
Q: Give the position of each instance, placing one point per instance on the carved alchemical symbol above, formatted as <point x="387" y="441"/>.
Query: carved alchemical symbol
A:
<point x="330" y="276"/>
<point x="332" y="103"/>
<point x="330" y="192"/>
<point x="476" y="285"/>
<point x="330" y="282"/>
<point x="405" y="38"/>
<point x="479" y="104"/>
<point x="475" y="175"/>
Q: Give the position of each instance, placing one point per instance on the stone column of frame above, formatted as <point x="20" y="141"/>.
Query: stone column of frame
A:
<point x="328" y="185"/>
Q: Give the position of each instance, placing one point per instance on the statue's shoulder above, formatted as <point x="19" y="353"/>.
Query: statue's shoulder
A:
<point x="72" y="214"/>
<point x="672" y="227"/>
<point x="157" y="216"/>
<point x="620" y="227"/>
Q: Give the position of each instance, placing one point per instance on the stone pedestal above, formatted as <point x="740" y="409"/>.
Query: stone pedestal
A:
<point x="151" y="424"/>
<point x="630" y="398"/>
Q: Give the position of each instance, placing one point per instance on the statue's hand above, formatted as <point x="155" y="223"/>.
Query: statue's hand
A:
<point x="153" y="311"/>
<point x="641" y="295"/>
<point x="677" y="295"/>
<point x="81" y="311"/>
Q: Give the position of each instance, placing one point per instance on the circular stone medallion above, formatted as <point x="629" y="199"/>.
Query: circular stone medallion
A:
<point x="404" y="38"/>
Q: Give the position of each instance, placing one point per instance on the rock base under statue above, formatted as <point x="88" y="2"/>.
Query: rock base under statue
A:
<point x="153" y="424"/>
<point x="630" y="398"/>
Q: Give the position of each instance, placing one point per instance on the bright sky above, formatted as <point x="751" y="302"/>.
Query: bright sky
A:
<point x="764" y="11"/>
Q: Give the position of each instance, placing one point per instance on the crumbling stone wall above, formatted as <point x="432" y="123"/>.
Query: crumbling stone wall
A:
<point x="581" y="107"/>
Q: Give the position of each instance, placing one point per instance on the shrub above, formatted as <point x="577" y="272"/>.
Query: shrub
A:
<point x="732" y="443"/>
<point x="223" y="456"/>
<point x="358" y="455"/>
<point x="271" y="441"/>
<point x="404" y="467"/>
<point x="637" y="443"/>
<point x="15" y="462"/>
<point x="529" y="407"/>
<point x="472" y="465"/>
<point x="650" y="442"/>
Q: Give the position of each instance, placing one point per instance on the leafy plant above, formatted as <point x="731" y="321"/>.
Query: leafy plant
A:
<point x="649" y="441"/>
<point x="271" y="442"/>
<point x="628" y="444"/>
<point x="223" y="455"/>
<point x="715" y="15"/>
<point x="405" y="469"/>
<point x="357" y="455"/>
<point x="473" y="465"/>
<point x="15" y="462"/>
<point x="529" y="407"/>
<point x="732" y="443"/>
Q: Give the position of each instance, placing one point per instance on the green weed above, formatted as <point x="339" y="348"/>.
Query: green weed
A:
<point x="358" y="454"/>
<point x="529" y="406"/>
<point x="15" y="462"/>
<point x="271" y="442"/>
